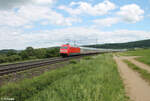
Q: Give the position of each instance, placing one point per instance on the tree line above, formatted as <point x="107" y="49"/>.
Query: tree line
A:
<point x="128" y="45"/>
<point x="28" y="54"/>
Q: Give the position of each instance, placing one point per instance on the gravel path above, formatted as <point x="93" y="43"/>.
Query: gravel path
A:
<point x="136" y="88"/>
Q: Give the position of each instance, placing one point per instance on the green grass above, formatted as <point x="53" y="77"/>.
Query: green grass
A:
<point x="144" y="53"/>
<point x="96" y="79"/>
<point x="73" y="61"/>
<point x="144" y="74"/>
<point x="139" y="52"/>
<point x="87" y="57"/>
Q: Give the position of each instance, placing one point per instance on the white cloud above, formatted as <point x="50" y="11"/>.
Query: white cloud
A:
<point x="24" y="15"/>
<point x="131" y="13"/>
<point x="18" y="39"/>
<point x="32" y="11"/>
<point x="87" y="8"/>
<point x="70" y="10"/>
<point x="11" y="19"/>
<point x="44" y="23"/>
<point x="28" y="26"/>
<point x="44" y="1"/>
<point x="106" y="22"/>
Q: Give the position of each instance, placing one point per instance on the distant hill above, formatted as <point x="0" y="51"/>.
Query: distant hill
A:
<point x="129" y="45"/>
<point x="4" y="51"/>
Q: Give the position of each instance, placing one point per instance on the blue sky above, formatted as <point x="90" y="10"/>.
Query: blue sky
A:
<point x="46" y="23"/>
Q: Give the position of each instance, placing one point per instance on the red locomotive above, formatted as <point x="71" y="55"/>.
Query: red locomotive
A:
<point x="68" y="50"/>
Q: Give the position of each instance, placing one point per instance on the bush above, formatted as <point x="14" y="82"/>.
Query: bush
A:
<point x="14" y="58"/>
<point x="73" y="61"/>
<point x="40" y="53"/>
<point x="3" y="58"/>
<point x="11" y="52"/>
<point x="53" y="52"/>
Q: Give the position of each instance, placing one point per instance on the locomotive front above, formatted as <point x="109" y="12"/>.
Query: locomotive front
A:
<point x="64" y="50"/>
<point x="67" y="50"/>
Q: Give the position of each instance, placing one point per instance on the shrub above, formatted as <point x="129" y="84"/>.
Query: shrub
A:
<point x="3" y="59"/>
<point x="73" y="61"/>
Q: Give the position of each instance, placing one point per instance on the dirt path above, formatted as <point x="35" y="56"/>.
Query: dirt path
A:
<point x="137" y="89"/>
<point x="139" y="64"/>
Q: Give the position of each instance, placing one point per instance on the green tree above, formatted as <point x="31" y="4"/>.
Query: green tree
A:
<point x="40" y="53"/>
<point x="30" y="51"/>
<point x="24" y="55"/>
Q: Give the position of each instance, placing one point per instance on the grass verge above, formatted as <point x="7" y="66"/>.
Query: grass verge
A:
<point x="96" y="79"/>
<point x="144" y="74"/>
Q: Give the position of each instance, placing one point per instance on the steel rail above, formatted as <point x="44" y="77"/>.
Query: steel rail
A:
<point x="20" y="63"/>
<point x="12" y="68"/>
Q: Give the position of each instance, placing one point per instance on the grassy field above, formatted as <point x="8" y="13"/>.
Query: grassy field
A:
<point x="90" y="79"/>
<point x="144" y="74"/>
<point x="144" y="53"/>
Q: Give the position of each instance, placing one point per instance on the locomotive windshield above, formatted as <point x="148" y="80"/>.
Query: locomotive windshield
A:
<point x="64" y="47"/>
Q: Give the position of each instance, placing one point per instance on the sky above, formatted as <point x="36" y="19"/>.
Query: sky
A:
<point x="46" y="23"/>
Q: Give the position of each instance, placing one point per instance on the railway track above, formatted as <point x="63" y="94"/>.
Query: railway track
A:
<point x="12" y="68"/>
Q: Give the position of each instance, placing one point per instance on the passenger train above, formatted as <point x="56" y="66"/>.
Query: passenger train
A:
<point x="68" y="50"/>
